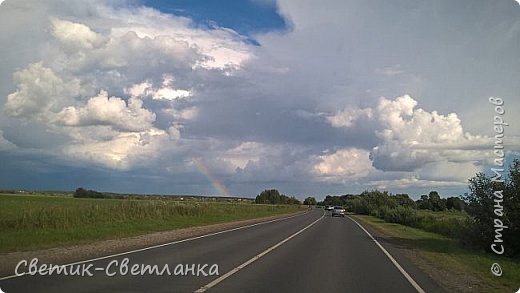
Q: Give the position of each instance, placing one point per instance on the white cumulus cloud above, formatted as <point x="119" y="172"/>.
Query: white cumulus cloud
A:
<point x="102" y="81"/>
<point x="74" y="36"/>
<point x="39" y="89"/>
<point x="113" y="111"/>
<point x="123" y="151"/>
<point x="344" y="165"/>
<point x="410" y="137"/>
<point x="346" y="118"/>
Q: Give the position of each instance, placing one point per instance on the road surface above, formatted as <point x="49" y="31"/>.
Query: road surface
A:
<point x="313" y="252"/>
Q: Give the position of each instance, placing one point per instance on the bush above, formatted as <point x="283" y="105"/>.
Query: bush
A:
<point x="454" y="225"/>
<point x="401" y="215"/>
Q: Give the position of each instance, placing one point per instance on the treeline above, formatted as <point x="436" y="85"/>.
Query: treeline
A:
<point x="401" y="209"/>
<point x="273" y="196"/>
<point x="89" y="193"/>
<point x="84" y="193"/>
<point x="432" y="201"/>
<point x="488" y="214"/>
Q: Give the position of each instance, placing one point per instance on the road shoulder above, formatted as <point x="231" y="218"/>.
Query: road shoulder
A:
<point x="423" y="272"/>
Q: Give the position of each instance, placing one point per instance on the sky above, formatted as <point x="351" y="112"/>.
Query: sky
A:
<point x="234" y="97"/>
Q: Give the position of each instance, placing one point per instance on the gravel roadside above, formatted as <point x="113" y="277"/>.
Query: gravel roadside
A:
<point x="69" y="254"/>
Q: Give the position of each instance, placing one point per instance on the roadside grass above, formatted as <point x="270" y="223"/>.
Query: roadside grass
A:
<point x="29" y="222"/>
<point x="447" y="254"/>
<point x="450" y="223"/>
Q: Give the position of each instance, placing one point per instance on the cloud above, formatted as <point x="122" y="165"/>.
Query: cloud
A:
<point x="165" y="92"/>
<point x="412" y="181"/>
<point x="245" y="153"/>
<point x="404" y="123"/>
<point x="174" y="132"/>
<point x="344" y="165"/>
<point x="394" y="156"/>
<point x="104" y="110"/>
<point x="5" y="145"/>
<point x="410" y="137"/>
<point x="265" y="163"/>
<point x="103" y="89"/>
<point x="126" y="89"/>
<point x="449" y="171"/>
<point x="223" y="48"/>
<point x="123" y="151"/>
<point x="75" y="36"/>
<point x="418" y="148"/>
<point x="39" y="89"/>
<point x="346" y="118"/>
<point x="389" y="70"/>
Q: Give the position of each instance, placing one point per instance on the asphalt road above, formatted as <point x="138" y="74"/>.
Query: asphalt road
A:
<point x="313" y="252"/>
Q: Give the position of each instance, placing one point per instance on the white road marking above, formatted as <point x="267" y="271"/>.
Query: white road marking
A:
<point x="396" y="264"/>
<point x="166" y="244"/>
<point x="254" y="258"/>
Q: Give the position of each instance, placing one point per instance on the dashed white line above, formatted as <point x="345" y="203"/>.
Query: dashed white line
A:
<point x="254" y="258"/>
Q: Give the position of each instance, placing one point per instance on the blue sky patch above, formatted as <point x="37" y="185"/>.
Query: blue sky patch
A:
<point x="246" y="17"/>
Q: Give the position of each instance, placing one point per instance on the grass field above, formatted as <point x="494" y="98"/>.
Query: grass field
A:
<point x="32" y="222"/>
<point x="446" y="254"/>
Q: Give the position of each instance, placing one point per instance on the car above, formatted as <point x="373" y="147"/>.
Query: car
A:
<point x="329" y="208"/>
<point x="338" y="211"/>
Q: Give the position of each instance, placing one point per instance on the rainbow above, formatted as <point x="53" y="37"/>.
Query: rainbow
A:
<point x="217" y="184"/>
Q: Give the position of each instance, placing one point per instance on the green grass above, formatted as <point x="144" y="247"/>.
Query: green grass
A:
<point x="30" y="222"/>
<point x="444" y="214"/>
<point x="447" y="254"/>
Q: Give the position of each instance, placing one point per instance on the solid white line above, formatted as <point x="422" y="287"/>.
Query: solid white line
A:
<point x="254" y="258"/>
<point x="396" y="264"/>
<point x="164" y="244"/>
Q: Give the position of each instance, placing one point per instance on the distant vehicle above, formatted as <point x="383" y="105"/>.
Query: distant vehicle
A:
<point x="338" y="211"/>
<point x="329" y="208"/>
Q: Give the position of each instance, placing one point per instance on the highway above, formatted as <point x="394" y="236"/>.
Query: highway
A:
<point x="311" y="252"/>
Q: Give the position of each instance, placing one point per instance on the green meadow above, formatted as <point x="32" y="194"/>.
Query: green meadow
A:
<point x="33" y="221"/>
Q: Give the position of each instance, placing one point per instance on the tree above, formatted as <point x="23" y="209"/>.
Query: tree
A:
<point x="480" y="207"/>
<point x="310" y="201"/>
<point x="405" y="200"/>
<point x="424" y="203"/>
<point x="81" y="192"/>
<point x="273" y="196"/>
<point x="432" y="201"/>
<point x="512" y="209"/>
<point x="437" y="203"/>
<point x="455" y="203"/>
<point x="333" y="200"/>
<point x="289" y="199"/>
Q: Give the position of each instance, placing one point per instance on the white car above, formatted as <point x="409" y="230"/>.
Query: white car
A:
<point x="329" y="208"/>
<point x="338" y="211"/>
